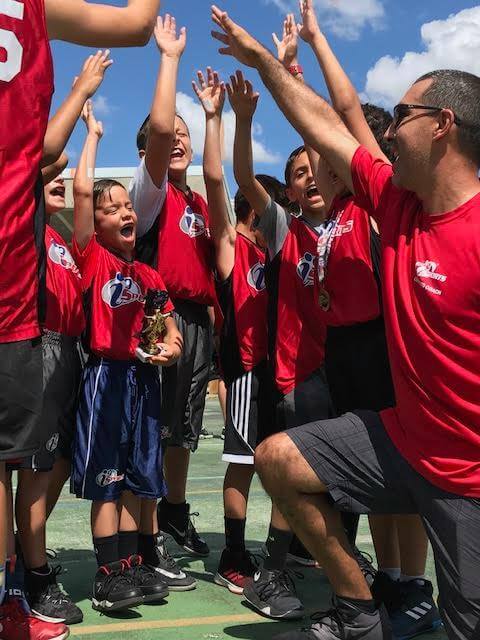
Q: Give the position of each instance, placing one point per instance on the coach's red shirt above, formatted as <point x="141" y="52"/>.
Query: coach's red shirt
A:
<point x="431" y="297"/>
<point x="64" y="288"/>
<point x="185" y="250"/>
<point x="26" y="87"/>
<point x="117" y="290"/>
<point x="350" y="281"/>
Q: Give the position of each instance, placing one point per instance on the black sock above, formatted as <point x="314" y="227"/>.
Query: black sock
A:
<point x="146" y="547"/>
<point x="366" y="606"/>
<point x="177" y="513"/>
<point x="44" y="570"/>
<point x="235" y="534"/>
<point x="350" y="524"/>
<point x="127" y="544"/>
<point x="278" y="543"/>
<point x="106" y="549"/>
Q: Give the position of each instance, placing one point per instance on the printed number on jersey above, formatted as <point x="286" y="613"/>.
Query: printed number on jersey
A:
<point x="12" y="63"/>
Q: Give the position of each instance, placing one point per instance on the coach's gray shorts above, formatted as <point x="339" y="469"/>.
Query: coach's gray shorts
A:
<point x="184" y="385"/>
<point x="364" y="473"/>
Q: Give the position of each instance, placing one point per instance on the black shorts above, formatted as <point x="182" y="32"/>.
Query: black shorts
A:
<point x="310" y="400"/>
<point x="20" y="398"/>
<point x="184" y="385"/>
<point x="358" y="368"/>
<point x="249" y="414"/>
<point x="62" y="372"/>
<point x="363" y="471"/>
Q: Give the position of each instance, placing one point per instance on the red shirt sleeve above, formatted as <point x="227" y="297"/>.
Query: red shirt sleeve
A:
<point x="372" y="181"/>
<point x="87" y="259"/>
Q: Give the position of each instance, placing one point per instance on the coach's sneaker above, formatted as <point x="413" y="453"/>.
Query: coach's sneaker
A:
<point x="148" y="581"/>
<point x="365" y="561"/>
<point x="417" y="612"/>
<point x="178" y="523"/>
<point x="47" y="600"/>
<point x="235" y="570"/>
<point x="168" y="569"/>
<point x="272" y="592"/>
<point x="114" y="589"/>
<point x="17" y="623"/>
<point x="343" y="622"/>
<point x="299" y="555"/>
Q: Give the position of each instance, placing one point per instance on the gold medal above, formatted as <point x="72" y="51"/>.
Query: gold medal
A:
<point x="324" y="300"/>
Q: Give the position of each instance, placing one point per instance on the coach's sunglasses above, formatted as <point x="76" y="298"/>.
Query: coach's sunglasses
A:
<point x="402" y="110"/>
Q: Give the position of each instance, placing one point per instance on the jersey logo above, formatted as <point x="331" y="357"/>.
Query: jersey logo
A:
<point x="256" y="277"/>
<point x="192" y="224"/>
<point x="121" y="291"/>
<point x="305" y="269"/>
<point x="108" y="476"/>
<point x="52" y="444"/>
<point x="59" y="254"/>
<point x="428" y="269"/>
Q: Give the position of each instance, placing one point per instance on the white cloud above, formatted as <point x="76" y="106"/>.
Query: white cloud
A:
<point x="193" y="114"/>
<point x="344" y="18"/>
<point x="102" y="106"/>
<point x="453" y="43"/>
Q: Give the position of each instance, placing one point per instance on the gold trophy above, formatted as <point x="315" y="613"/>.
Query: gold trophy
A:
<point x="153" y="326"/>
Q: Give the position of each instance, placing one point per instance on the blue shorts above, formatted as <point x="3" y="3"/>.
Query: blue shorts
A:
<point x="118" y="439"/>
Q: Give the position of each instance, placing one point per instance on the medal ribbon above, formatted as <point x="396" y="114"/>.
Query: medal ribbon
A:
<point x="324" y="244"/>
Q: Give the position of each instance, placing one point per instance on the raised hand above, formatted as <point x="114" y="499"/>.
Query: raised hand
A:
<point x="239" y="43"/>
<point x="211" y="92"/>
<point x="309" y="27"/>
<point x="165" y="33"/>
<point x="94" y="126"/>
<point x="287" y="47"/>
<point x="242" y="97"/>
<point x="93" y="72"/>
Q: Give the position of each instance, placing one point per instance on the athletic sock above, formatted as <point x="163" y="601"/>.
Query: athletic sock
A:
<point x="106" y="549"/>
<point x="146" y="547"/>
<point x="235" y="534"/>
<point x="365" y="606"/>
<point x="350" y="524"/>
<point x="393" y="573"/>
<point x="44" y="570"/>
<point x="176" y="513"/>
<point x="127" y="544"/>
<point x="278" y="544"/>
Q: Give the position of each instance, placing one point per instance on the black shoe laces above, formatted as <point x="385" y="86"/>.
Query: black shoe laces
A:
<point x="166" y="557"/>
<point x="280" y="583"/>
<point x="320" y="618"/>
<point x="54" y="592"/>
<point x="365" y="561"/>
<point x="192" y="533"/>
<point x="120" y="578"/>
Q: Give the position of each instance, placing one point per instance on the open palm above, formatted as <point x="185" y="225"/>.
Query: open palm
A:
<point x="210" y="92"/>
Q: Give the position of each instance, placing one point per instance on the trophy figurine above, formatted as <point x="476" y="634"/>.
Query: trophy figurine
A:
<point x="153" y="326"/>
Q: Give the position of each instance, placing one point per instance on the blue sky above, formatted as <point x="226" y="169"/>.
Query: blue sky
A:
<point x="371" y="38"/>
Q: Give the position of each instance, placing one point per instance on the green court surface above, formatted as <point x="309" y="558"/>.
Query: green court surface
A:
<point x="210" y="612"/>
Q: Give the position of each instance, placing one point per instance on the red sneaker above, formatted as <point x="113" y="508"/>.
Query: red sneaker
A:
<point x="235" y="570"/>
<point x="17" y="624"/>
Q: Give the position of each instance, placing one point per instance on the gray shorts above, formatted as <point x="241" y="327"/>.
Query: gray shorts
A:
<point x="184" y="385"/>
<point x="364" y="472"/>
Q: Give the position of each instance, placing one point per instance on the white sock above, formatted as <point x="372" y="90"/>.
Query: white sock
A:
<point x="393" y="572"/>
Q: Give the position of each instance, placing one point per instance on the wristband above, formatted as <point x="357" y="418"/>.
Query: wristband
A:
<point x="295" y="69"/>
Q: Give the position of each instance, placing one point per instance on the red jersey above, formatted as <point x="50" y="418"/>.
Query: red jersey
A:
<point x="431" y="297"/>
<point x="350" y="280"/>
<point x="64" y="288"/>
<point x="26" y="87"/>
<point x="243" y="298"/>
<point x="301" y="329"/>
<point x="117" y="290"/>
<point x="185" y="250"/>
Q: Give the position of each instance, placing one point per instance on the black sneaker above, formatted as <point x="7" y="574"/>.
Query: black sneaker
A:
<point x="417" y="612"/>
<point x="184" y="534"/>
<point x="222" y="435"/>
<point x="47" y="600"/>
<point x="114" y="589"/>
<point x="235" y="570"/>
<point x="387" y="591"/>
<point x="168" y="570"/>
<point x="343" y="622"/>
<point x="365" y="561"/>
<point x="272" y="592"/>
<point x="299" y="555"/>
<point x="148" y="581"/>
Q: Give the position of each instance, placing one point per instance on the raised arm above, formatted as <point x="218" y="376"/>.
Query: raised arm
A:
<point x="53" y="170"/>
<point x="344" y="97"/>
<point x="211" y="94"/>
<point x="313" y="118"/>
<point x="83" y="210"/>
<point x="101" y="25"/>
<point x="243" y="101"/>
<point x="60" y="127"/>
<point x="162" y="113"/>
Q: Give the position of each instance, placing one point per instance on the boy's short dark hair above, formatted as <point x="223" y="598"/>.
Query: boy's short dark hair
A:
<point x="288" y="166"/>
<point x="274" y="188"/>
<point x="102" y="187"/>
<point x="379" y="120"/>
<point x="142" y="135"/>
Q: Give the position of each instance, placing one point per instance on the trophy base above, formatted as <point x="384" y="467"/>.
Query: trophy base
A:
<point x="142" y="355"/>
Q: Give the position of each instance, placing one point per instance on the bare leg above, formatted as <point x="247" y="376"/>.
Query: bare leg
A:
<point x="104" y="519"/>
<point x="31" y="515"/>
<point x="301" y="497"/>
<point x="130" y="512"/>
<point x="58" y="477"/>
<point x="148" y="517"/>
<point x="222" y="398"/>
<point x="413" y="545"/>
<point x="385" y="540"/>
<point x="236" y="487"/>
<point x="176" y="461"/>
